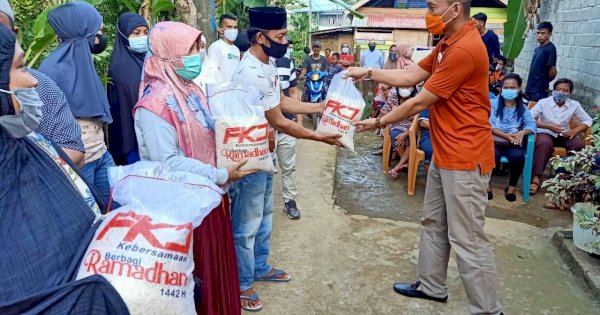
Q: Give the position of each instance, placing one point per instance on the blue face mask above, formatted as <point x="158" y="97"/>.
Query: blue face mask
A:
<point x="139" y="44"/>
<point x="192" y="65"/>
<point x="509" y="95"/>
<point x="559" y="97"/>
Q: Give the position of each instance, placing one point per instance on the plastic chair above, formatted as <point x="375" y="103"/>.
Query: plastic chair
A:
<point x="387" y="150"/>
<point x="415" y="155"/>
<point x="528" y="168"/>
<point x="562" y="152"/>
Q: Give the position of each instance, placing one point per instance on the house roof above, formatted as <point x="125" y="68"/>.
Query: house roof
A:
<point x="398" y="21"/>
<point x="319" y="6"/>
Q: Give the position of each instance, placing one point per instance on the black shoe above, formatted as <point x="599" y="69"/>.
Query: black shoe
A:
<point x="292" y="210"/>
<point x="410" y="290"/>
<point x="490" y="195"/>
<point x="510" y="197"/>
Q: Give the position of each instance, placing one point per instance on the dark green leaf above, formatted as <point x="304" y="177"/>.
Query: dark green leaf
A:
<point x="130" y="6"/>
<point x="159" y="6"/>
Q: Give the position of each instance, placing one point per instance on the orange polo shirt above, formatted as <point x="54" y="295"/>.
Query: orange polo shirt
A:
<point x="461" y="134"/>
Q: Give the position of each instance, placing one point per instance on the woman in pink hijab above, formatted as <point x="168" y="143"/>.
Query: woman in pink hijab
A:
<point x="174" y="125"/>
<point x="404" y="52"/>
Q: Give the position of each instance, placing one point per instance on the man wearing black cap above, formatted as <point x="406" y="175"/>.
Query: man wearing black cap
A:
<point x="314" y="62"/>
<point x="490" y="39"/>
<point x="252" y="196"/>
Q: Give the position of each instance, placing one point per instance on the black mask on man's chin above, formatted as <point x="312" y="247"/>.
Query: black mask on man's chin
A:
<point x="371" y="48"/>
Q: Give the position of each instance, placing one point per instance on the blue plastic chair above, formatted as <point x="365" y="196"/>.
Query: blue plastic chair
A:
<point x="528" y="166"/>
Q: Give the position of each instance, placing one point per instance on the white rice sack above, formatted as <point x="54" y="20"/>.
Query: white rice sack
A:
<point x="242" y="131"/>
<point x="343" y="106"/>
<point x="145" y="248"/>
<point x="148" y="261"/>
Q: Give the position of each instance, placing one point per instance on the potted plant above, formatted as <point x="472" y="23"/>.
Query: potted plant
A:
<point x="576" y="185"/>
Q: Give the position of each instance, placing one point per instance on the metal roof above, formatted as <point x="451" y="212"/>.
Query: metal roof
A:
<point x="397" y="21"/>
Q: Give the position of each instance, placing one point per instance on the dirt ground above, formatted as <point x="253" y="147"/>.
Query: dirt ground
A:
<point x="345" y="263"/>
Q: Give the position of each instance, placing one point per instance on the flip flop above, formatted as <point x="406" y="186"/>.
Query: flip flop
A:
<point x="252" y="298"/>
<point x="274" y="277"/>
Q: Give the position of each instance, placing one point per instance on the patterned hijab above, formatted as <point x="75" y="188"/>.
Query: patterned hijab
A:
<point x="404" y="58"/>
<point x="178" y="101"/>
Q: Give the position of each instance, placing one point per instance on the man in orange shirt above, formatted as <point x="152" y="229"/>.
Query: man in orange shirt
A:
<point x="456" y="93"/>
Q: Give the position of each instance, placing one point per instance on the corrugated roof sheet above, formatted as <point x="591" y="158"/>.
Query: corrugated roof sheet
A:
<point x="397" y="21"/>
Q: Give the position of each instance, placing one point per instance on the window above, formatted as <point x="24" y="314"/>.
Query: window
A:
<point x="332" y="21"/>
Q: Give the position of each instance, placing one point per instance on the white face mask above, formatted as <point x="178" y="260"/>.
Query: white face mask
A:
<point x="405" y="92"/>
<point x="28" y="119"/>
<point x="230" y="34"/>
<point x="345" y="50"/>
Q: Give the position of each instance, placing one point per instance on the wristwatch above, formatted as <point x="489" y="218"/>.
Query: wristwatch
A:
<point x="369" y="73"/>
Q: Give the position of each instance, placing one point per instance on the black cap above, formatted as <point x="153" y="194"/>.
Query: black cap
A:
<point x="480" y="17"/>
<point x="268" y="18"/>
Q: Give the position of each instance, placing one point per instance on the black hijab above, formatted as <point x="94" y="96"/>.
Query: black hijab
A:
<point x="125" y="74"/>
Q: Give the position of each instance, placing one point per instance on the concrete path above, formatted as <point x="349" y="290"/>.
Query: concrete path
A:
<point x="346" y="264"/>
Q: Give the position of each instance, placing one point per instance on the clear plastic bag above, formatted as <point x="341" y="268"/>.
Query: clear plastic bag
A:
<point x="241" y="129"/>
<point x="145" y="248"/>
<point x="343" y="106"/>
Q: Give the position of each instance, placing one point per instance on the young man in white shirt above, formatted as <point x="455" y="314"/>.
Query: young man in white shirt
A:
<point x="553" y="118"/>
<point x="223" y="52"/>
<point x="252" y="197"/>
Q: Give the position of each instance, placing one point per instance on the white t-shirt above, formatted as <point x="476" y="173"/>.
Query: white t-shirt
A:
<point x="262" y="76"/>
<point x="227" y="58"/>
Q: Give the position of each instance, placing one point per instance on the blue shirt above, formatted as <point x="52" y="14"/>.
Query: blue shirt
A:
<point x="510" y="123"/>
<point x="372" y="59"/>
<point x="424" y="115"/>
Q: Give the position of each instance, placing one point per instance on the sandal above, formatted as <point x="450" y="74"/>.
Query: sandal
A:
<point x="274" y="277"/>
<point x="252" y="298"/>
<point x="534" y="188"/>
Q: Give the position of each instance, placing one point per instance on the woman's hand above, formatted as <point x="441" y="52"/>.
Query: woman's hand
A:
<point x="517" y="138"/>
<point x="356" y="73"/>
<point x="235" y="173"/>
<point x="400" y="139"/>
<point x="366" y="125"/>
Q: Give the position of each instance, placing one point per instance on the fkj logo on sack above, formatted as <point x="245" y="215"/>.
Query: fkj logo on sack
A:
<point x="141" y="225"/>
<point x="247" y="134"/>
<point x="341" y="110"/>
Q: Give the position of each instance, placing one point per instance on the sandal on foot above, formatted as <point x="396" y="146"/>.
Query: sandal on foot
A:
<point x="274" y="277"/>
<point x="252" y="298"/>
<point x="534" y="188"/>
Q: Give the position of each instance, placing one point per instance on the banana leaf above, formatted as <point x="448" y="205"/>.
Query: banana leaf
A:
<point x="514" y="28"/>
<point x="159" y="6"/>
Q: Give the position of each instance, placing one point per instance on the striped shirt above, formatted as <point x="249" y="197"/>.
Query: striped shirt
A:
<point x="287" y="76"/>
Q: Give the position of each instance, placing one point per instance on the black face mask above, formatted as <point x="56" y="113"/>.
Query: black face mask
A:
<point x="371" y="48"/>
<point x="276" y="50"/>
<point x="393" y="56"/>
<point x="101" y="46"/>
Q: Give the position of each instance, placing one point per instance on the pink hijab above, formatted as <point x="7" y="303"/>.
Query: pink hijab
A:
<point x="404" y="55"/>
<point x="178" y="101"/>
